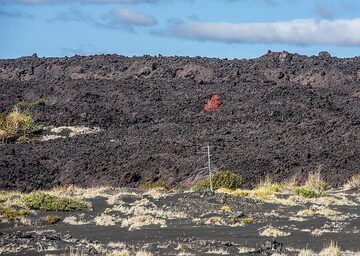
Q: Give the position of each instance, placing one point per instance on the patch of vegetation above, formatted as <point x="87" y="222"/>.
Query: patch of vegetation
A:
<point x="33" y="103"/>
<point x="240" y="192"/>
<point x="153" y="185"/>
<point x="273" y="232"/>
<point x="353" y="183"/>
<point x="47" y="202"/>
<point x="247" y="220"/>
<point x="266" y="189"/>
<point x="225" y="208"/>
<point x="3" y="197"/>
<point x="305" y="192"/>
<point x="51" y="219"/>
<point x="12" y="214"/>
<point x="225" y="179"/>
<point x="315" y="182"/>
<point x="17" y="124"/>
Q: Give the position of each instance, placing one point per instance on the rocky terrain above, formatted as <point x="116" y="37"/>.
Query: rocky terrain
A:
<point x="281" y="114"/>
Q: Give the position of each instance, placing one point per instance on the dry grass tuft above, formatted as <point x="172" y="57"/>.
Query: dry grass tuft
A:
<point x="17" y="124"/>
<point x="315" y="182"/>
<point x="76" y="220"/>
<point x="215" y="220"/>
<point x="105" y="220"/>
<point x="137" y="222"/>
<point x="225" y="208"/>
<point x="219" y="251"/>
<point x="353" y="183"/>
<point x="143" y="253"/>
<point x="51" y="219"/>
<point x="331" y="250"/>
<point x="123" y="252"/>
<point x="318" y="210"/>
<point x="244" y="249"/>
<point x="273" y="232"/>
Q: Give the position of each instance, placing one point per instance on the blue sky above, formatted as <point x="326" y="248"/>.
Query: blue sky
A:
<point x="213" y="28"/>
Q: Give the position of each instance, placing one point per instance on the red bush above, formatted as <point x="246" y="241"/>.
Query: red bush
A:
<point x="213" y="103"/>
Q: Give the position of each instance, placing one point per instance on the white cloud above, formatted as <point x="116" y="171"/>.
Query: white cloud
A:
<point x="343" y="32"/>
<point x="132" y="18"/>
<point x="126" y="19"/>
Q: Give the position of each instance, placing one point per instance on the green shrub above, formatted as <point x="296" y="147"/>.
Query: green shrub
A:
<point x="17" y="124"/>
<point x="247" y="220"/>
<point x="47" y="202"/>
<point x="13" y="214"/>
<point x="51" y="219"/>
<point x="240" y="192"/>
<point x="305" y="192"/>
<point x="223" y="179"/>
<point x="154" y="185"/>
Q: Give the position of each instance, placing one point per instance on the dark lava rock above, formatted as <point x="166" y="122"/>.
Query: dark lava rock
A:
<point x="151" y="111"/>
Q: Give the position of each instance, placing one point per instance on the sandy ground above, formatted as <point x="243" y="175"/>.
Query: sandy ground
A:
<point x="157" y="222"/>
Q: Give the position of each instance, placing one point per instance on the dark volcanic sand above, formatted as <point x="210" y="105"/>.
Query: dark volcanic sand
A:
<point x="282" y="114"/>
<point x="190" y="234"/>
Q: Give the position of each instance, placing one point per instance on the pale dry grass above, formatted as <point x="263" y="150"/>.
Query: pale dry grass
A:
<point x="57" y="132"/>
<point x="184" y="253"/>
<point x="117" y="245"/>
<point x="137" y="222"/>
<point x="76" y="220"/>
<point x="353" y="183"/>
<point x="331" y="250"/>
<point x="273" y="232"/>
<point x="322" y="211"/>
<point x="117" y="198"/>
<point x="245" y="249"/>
<point x="143" y="253"/>
<point x="146" y="207"/>
<point x="215" y="220"/>
<point x="122" y="252"/>
<point x="219" y="251"/>
<point x="106" y="220"/>
<point x="315" y="182"/>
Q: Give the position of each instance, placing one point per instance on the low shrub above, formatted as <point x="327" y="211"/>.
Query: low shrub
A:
<point x="266" y="189"/>
<point x="51" y="219"/>
<point x="47" y="202"/>
<point x="153" y="185"/>
<point x="12" y="214"/>
<point x="353" y="183"/>
<point x="240" y="192"/>
<point x="17" y="124"/>
<point x="305" y="192"/>
<point x="225" y="208"/>
<point x="222" y="180"/>
<point x="315" y="182"/>
<point x="247" y="220"/>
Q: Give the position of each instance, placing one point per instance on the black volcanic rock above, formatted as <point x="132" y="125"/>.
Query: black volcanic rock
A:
<point x="282" y="114"/>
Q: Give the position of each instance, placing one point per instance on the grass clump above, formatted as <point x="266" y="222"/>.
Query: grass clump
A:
<point x="47" y="202"/>
<point x="225" y="208"/>
<point x="315" y="182"/>
<point x="353" y="183"/>
<point x="51" y="219"/>
<point x="247" y="220"/>
<point x="224" y="180"/>
<point x="17" y="124"/>
<point x="12" y="214"/>
<point x="266" y="189"/>
<point x="305" y="192"/>
<point x="153" y="185"/>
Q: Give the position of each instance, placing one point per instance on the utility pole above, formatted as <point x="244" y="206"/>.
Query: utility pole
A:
<point x="209" y="167"/>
